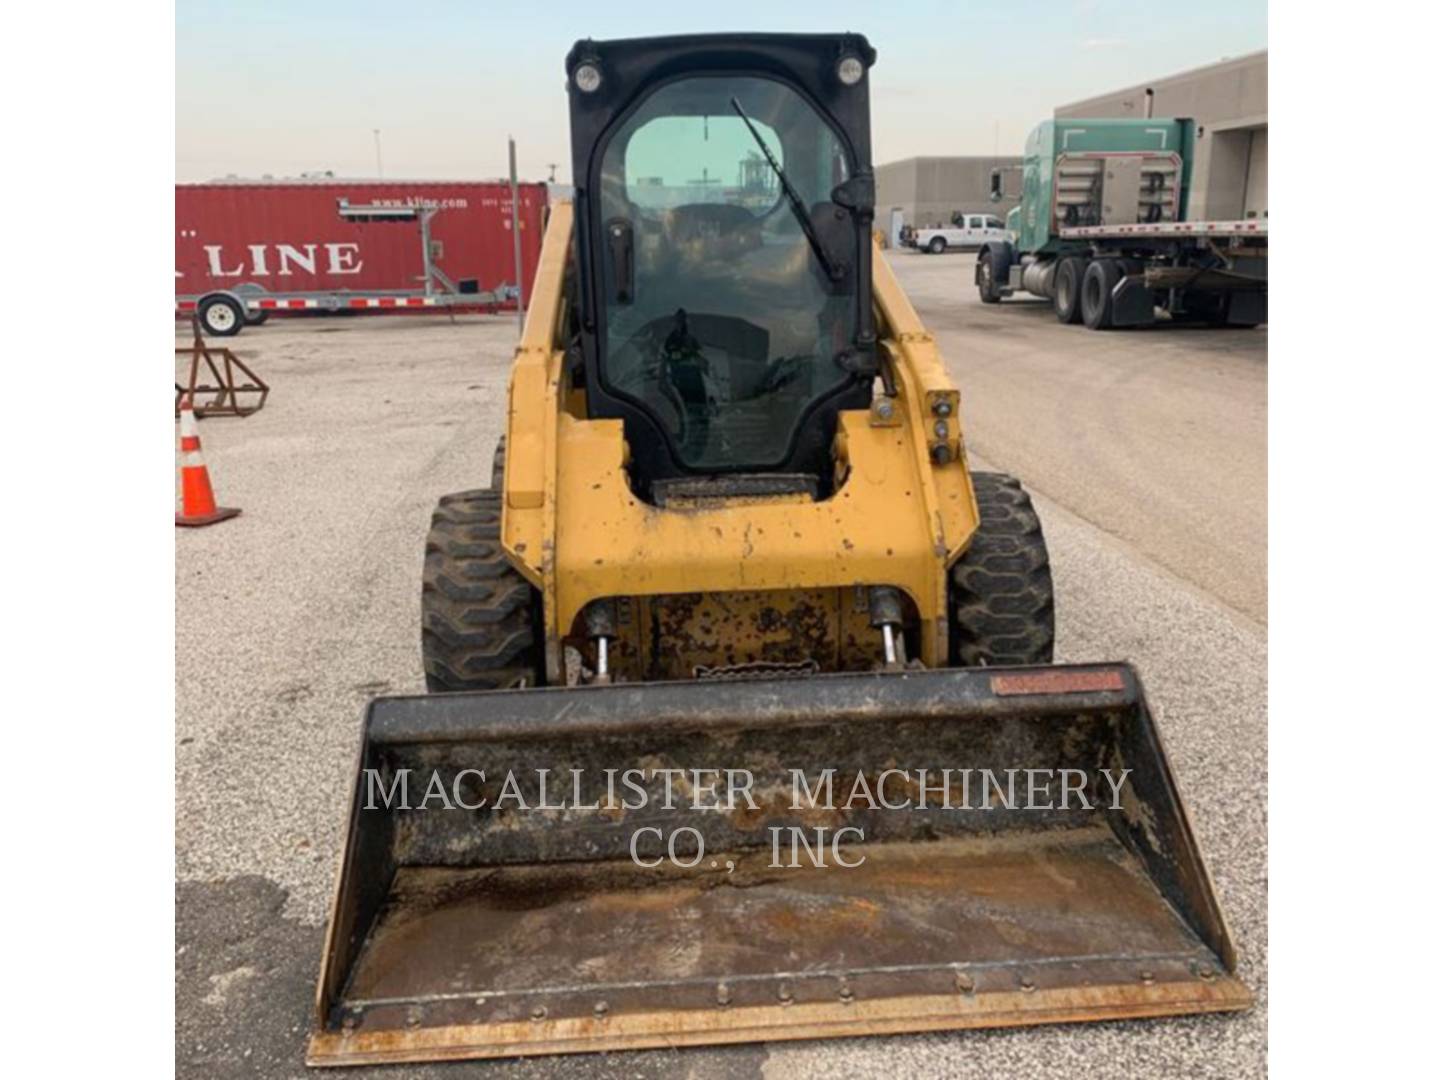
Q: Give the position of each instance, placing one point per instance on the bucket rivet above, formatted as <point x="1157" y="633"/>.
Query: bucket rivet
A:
<point x="786" y="997"/>
<point x="602" y="1008"/>
<point x="537" y="1013"/>
<point x="351" y="1022"/>
<point x="1027" y="984"/>
<point x="1206" y="971"/>
<point x="846" y="994"/>
<point x="722" y="995"/>
<point x="964" y="983"/>
<point x="412" y="1019"/>
<point x="1147" y="977"/>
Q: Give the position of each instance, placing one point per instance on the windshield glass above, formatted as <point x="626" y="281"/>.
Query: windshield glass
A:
<point x="719" y="316"/>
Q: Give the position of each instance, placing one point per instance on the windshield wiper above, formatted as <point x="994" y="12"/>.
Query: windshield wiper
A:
<point x="797" y="205"/>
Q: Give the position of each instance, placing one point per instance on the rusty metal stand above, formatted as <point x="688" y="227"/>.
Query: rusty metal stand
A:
<point x="222" y="364"/>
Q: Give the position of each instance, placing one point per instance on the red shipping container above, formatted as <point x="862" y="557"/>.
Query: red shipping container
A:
<point x="288" y="236"/>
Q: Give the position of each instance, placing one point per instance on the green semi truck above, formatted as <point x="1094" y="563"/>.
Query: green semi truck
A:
<point x="1103" y="231"/>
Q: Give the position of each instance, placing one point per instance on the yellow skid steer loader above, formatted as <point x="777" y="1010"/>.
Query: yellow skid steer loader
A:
<point x="743" y="723"/>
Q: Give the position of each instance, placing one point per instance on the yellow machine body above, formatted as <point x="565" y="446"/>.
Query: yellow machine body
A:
<point x="784" y="570"/>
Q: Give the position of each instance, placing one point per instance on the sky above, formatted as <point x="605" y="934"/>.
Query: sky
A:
<point x="281" y="88"/>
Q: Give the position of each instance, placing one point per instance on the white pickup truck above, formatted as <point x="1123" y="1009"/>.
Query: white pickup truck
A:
<point x="964" y="231"/>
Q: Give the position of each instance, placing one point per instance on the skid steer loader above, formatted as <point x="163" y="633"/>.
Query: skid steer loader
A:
<point x="743" y="722"/>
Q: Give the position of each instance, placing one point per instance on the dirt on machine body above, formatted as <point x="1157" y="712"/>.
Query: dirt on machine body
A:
<point x="744" y="723"/>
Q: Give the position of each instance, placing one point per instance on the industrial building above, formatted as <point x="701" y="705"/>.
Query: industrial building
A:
<point x="925" y="191"/>
<point x="1229" y="102"/>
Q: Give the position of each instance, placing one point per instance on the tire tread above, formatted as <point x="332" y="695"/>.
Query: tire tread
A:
<point x="478" y="614"/>
<point x="1002" y="598"/>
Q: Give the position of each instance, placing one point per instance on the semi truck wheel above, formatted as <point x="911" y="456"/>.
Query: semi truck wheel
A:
<point x="479" y="619"/>
<point x="221" y="316"/>
<point x="1068" y="277"/>
<point x="1002" y="601"/>
<point x="989" y="288"/>
<point x="936" y="245"/>
<point x="1097" y="293"/>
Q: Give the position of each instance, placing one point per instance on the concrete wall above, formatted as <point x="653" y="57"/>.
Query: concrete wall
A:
<point x="1230" y="103"/>
<point x="929" y="189"/>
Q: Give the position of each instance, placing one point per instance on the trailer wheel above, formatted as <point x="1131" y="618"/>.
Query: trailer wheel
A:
<point x="1097" y="293"/>
<point x="936" y="245"/>
<point x="479" y="619"/>
<point x="989" y="288"/>
<point x="1068" y="278"/>
<point x="1002" y="601"/>
<point x="256" y="318"/>
<point x="221" y="316"/>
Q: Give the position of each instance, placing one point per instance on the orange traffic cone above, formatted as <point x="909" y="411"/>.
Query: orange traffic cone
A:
<point x="198" y="498"/>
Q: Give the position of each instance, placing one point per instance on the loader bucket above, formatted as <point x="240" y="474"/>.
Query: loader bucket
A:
<point x="759" y="904"/>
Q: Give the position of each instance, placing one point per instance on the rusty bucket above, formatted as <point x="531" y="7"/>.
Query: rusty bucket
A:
<point x="602" y="868"/>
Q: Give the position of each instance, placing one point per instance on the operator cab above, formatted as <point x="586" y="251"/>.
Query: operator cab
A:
<point x="724" y="200"/>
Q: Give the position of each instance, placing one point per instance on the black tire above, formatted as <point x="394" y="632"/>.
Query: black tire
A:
<point x="479" y="619"/>
<point x="936" y="245"/>
<point x="497" y="468"/>
<point x="1068" y="277"/>
<point x="989" y="289"/>
<point x="1002" y="601"/>
<point x="1097" y="293"/>
<point x="221" y="316"/>
<point x="256" y="318"/>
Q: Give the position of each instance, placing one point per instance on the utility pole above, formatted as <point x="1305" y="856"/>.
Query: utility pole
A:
<point x="379" y="164"/>
<point x="552" y="167"/>
<point x="515" y="230"/>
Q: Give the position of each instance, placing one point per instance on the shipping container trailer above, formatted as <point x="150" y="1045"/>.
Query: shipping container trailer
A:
<point x="247" y="249"/>
<point x="1103" y="231"/>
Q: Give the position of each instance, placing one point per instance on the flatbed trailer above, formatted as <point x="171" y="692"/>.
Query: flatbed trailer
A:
<point x="225" y="312"/>
<point x="1170" y="230"/>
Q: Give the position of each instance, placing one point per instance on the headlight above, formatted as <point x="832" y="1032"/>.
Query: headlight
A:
<point x="587" y="78"/>
<point x="850" y="70"/>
